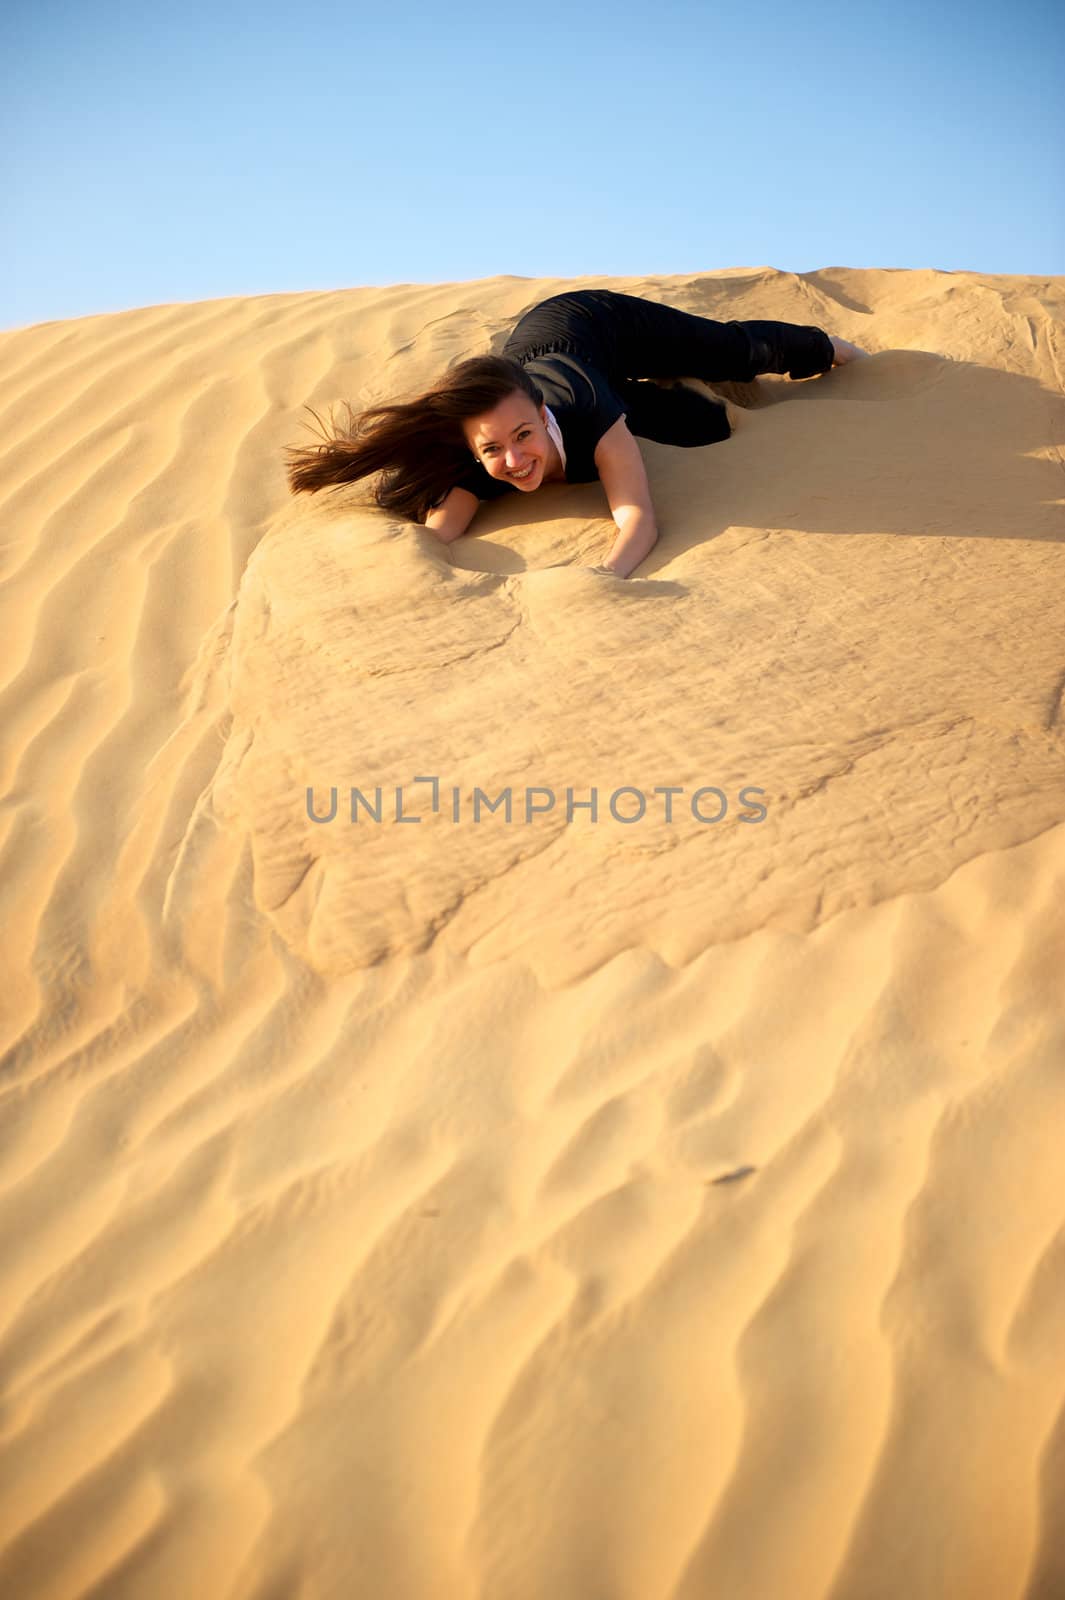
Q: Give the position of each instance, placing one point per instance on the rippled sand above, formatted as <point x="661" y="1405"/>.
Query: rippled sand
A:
<point x="488" y="1209"/>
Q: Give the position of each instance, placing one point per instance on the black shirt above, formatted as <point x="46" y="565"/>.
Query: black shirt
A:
<point x="583" y="404"/>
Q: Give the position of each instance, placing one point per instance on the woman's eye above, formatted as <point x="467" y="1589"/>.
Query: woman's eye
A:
<point x="490" y="449"/>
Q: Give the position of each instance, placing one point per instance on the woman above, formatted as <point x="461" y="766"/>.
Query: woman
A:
<point x="563" y="402"/>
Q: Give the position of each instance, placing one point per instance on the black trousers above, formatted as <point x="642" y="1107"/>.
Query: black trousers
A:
<point x="627" y="338"/>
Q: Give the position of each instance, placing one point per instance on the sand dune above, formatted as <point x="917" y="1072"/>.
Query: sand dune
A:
<point x="651" y="1209"/>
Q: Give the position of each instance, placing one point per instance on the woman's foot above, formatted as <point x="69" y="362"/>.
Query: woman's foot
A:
<point x="845" y="351"/>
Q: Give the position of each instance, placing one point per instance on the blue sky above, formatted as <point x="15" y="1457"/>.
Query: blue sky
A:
<point x="157" y="154"/>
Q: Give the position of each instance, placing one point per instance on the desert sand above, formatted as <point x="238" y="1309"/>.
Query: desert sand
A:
<point x="553" y="1208"/>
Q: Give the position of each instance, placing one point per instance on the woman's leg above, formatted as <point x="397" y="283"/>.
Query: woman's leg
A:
<point x="799" y="349"/>
<point x="646" y="339"/>
<point x="677" y="416"/>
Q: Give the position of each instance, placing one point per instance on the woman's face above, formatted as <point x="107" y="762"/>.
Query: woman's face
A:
<point x="512" y="442"/>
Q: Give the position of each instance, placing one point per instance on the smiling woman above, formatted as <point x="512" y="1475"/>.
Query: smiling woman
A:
<point x="563" y="402"/>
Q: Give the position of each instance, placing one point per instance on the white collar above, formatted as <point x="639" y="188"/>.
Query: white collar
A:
<point x="555" y="435"/>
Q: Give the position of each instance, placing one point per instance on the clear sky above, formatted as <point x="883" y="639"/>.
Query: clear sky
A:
<point x="172" y="153"/>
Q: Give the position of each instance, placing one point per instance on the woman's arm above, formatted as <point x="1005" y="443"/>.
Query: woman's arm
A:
<point x="450" y="519"/>
<point x="624" y="477"/>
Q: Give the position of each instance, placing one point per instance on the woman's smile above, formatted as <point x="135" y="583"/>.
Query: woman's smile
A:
<point x="524" y="477"/>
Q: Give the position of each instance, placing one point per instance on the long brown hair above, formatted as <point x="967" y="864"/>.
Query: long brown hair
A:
<point x="417" y="445"/>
